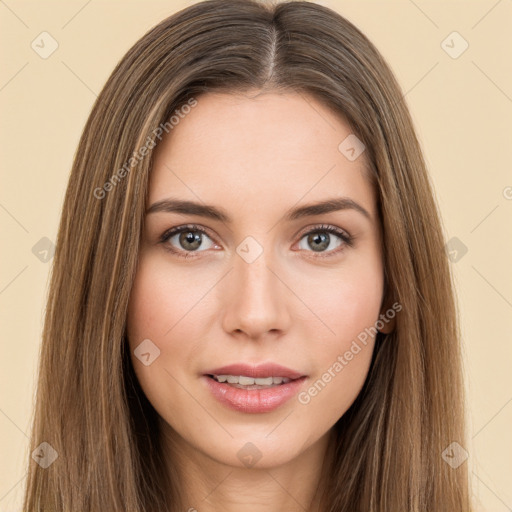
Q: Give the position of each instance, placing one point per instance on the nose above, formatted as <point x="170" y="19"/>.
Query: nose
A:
<point x="256" y="299"/>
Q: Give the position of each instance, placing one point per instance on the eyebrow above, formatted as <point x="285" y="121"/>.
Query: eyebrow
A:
<point x="216" y="213"/>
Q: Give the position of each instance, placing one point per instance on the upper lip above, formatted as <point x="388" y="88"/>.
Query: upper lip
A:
<point x="256" y="371"/>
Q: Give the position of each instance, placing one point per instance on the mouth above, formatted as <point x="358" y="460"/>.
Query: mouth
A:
<point x="246" y="382"/>
<point x="246" y="371"/>
<point x="253" y="389"/>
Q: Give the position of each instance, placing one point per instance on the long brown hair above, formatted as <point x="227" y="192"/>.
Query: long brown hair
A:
<point x="387" y="448"/>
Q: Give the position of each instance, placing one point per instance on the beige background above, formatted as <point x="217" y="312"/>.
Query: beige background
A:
<point x="462" y="108"/>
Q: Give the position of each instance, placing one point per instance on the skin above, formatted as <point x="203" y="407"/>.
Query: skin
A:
<point x="256" y="156"/>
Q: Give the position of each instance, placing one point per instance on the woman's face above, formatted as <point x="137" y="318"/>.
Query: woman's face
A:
<point x="258" y="280"/>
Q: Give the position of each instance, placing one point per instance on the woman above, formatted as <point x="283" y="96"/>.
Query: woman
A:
<point x="251" y="306"/>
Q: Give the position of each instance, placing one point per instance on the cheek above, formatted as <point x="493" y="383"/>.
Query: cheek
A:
<point x="348" y="305"/>
<point x="342" y="362"/>
<point x="161" y="301"/>
<point x="168" y="309"/>
<point x="345" y="301"/>
<point x="154" y="314"/>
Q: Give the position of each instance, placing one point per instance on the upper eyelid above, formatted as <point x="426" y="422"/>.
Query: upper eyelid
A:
<point x="192" y="227"/>
<point x="197" y="227"/>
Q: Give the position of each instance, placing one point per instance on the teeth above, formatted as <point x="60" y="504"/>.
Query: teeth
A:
<point x="243" y="380"/>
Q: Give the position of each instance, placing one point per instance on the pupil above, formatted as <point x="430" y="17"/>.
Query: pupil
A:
<point x="190" y="240"/>
<point x="321" y="239"/>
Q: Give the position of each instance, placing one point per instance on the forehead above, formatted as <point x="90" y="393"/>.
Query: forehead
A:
<point x="250" y="151"/>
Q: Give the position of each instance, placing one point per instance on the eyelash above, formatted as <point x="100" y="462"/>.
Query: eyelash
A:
<point x="348" y="240"/>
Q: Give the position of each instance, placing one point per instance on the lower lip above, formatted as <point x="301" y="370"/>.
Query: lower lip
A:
<point x="253" y="400"/>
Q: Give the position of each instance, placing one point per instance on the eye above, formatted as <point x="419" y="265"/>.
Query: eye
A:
<point x="320" y="239"/>
<point x="189" y="238"/>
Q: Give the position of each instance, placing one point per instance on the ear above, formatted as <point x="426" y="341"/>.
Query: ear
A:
<point x="387" y="317"/>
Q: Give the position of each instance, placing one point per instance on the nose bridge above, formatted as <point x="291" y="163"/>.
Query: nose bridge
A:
<point x="255" y="303"/>
<point x="251" y="267"/>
